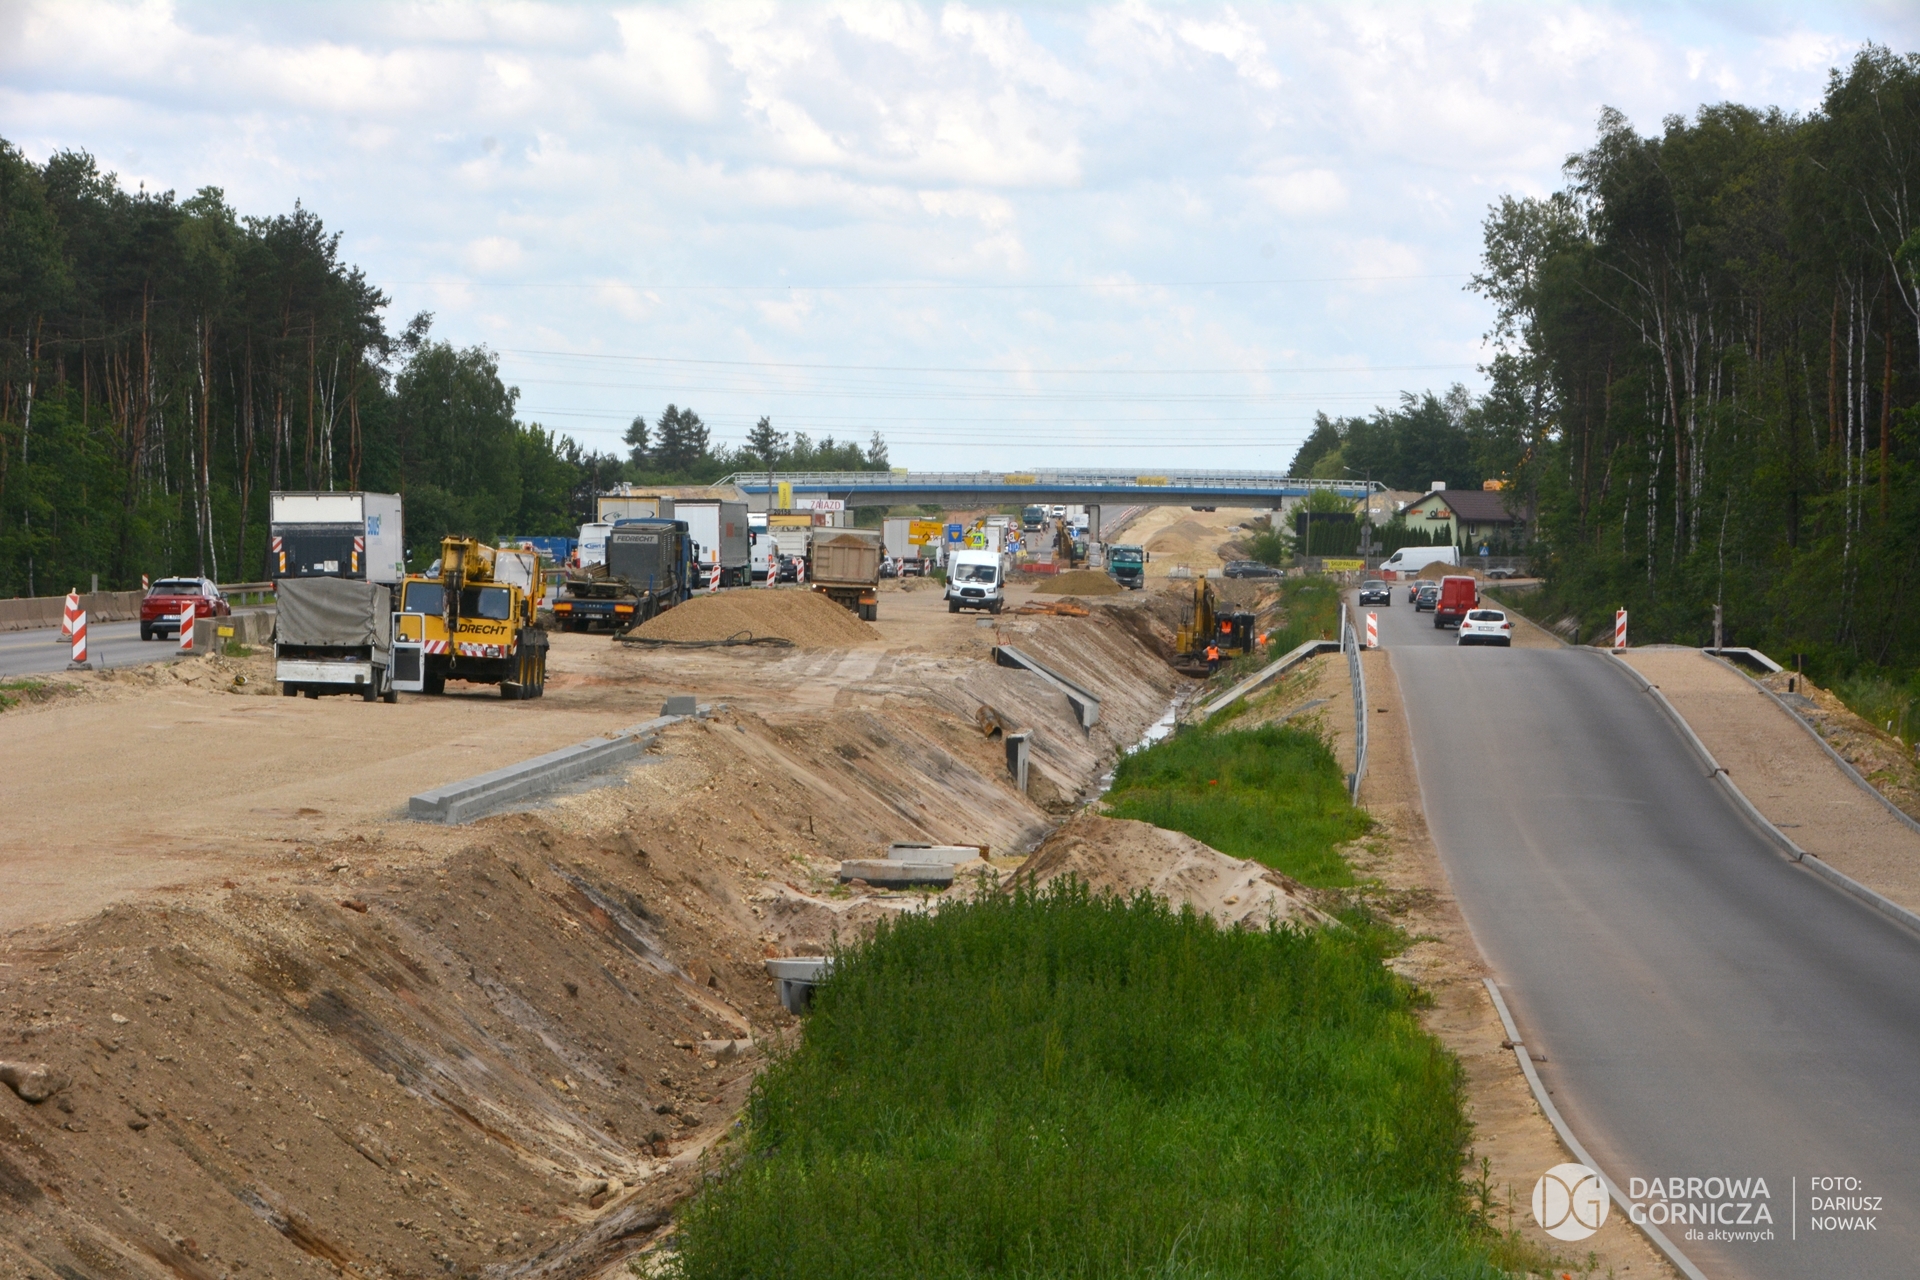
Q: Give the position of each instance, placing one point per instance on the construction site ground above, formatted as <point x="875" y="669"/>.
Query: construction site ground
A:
<point x="297" y="1030"/>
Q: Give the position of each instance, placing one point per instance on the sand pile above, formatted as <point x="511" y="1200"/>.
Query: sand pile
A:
<point x="1114" y="855"/>
<point x="1078" y="582"/>
<point x="807" y="618"/>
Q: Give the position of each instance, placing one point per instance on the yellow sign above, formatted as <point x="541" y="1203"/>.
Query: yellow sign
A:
<point x="1335" y="566"/>
<point x="785" y="499"/>
<point x="922" y="532"/>
<point x="1149" y="479"/>
<point x="1019" y="479"/>
<point x="223" y="631"/>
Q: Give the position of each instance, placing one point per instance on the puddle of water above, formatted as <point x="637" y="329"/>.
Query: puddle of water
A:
<point x="1163" y="727"/>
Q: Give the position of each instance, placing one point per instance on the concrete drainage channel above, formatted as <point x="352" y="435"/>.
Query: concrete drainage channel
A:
<point x="487" y="793"/>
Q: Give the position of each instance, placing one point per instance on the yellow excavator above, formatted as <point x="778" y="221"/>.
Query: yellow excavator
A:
<point x="475" y="615"/>
<point x="1207" y="624"/>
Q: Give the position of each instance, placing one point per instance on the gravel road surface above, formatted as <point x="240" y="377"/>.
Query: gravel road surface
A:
<point x="1706" y="1008"/>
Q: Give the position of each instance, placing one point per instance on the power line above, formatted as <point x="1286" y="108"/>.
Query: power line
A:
<point x="931" y="286"/>
<point x="883" y="368"/>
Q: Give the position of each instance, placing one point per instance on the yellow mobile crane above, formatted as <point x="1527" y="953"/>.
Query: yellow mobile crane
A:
<point x="476" y="614"/>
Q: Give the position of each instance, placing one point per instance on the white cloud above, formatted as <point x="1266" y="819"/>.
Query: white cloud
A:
<point x="600" y="157"/>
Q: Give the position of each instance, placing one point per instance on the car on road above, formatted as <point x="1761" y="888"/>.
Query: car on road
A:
<point x="161" y="608"/>
<point x="1486" y="626"/>
<point x="1425" y="595"/>
<point x="1249" y="569"/>
<point x="1459" y="596"/>
<point x="1374" y="591"/>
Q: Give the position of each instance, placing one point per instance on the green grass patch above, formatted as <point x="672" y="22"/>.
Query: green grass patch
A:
<point x="1309" y="610"/>
<point x="14" y="693"/>
<point x="1055" y="1084"/>
<point x="1274" y="794"/>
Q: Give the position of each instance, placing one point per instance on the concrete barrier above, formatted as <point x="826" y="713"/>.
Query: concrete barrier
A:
<point x="475" y="797"/>
<point x="1085" y="703"/>
<point x="28" y="613"/>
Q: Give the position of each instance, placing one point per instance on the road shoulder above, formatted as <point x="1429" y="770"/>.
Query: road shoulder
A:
<point x="1784" y="773"/>
<point x="1510" y="1131"/>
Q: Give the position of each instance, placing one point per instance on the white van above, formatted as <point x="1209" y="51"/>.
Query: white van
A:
<point x="593" y="544"/>
<point x="1411" y="560"/>
<point x="976" y="579"/>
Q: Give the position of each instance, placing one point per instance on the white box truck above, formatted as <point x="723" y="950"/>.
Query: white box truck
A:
<point x="336" y="535"/>
<point x="719" y="528"/>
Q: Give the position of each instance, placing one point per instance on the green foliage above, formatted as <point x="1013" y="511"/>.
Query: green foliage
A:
<point x="1274" y="794"/>
<point x="1427" y="437"/>
<point x="1309" y="609"/>
<point x="1058" y="1085"/>
<point x="1708" y="367"/>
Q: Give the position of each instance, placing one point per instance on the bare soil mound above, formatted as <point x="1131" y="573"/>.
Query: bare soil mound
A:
<point x="1114" y="855"/>
<point x="1078" y="582"/>
<point x="807" y="618"/>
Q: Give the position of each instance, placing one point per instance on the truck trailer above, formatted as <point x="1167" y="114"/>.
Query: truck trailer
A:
<point x="334" y="635"/>
<point x="336" y="535"/>
<point x="845" y="566"/>
<point x="719" y="531"/>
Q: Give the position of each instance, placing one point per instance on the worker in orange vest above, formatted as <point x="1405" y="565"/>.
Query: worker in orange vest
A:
<point x="1213" y="658"/>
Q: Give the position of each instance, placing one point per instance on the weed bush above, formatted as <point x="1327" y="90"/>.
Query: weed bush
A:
<point x="1274" y="794"/>
<point x="1055" y="1084"/>
<point x="1311" y="607"/>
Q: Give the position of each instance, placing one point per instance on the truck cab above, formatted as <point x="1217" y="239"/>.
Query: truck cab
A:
<point x="1128" y="565"/>
<point x="474" y="618"/>
<point x="976" y="580"/>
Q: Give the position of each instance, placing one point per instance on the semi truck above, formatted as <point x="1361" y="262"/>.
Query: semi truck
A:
<point x="1128" y="565"/>
<point x="845" y="566"/>
<point x="474" y="617"/>
<point x="336" y="535"/>
<point x="334" y="635"/>
<point x="719" y="532"/>
<point x="648" y="568"/>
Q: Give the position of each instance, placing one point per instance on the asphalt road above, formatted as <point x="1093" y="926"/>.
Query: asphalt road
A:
<point x="1706" y="1007"/>
<point x="114" y="644"/>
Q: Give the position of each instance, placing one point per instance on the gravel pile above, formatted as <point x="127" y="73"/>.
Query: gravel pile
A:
<point x="1078" y="582"/>
<point x="807" y="618"/>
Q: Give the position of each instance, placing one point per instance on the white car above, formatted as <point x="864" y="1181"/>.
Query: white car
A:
<point x="1486" y="626"/>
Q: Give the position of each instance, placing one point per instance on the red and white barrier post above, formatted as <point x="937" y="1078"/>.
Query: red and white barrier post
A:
<point x="68" y="612"/>
<point x="1373" y="631"/>
<point x="1620" y="629"/>
<point x="186" y="628"/>
<point x="800" y="570"/>
<point x="713" y="575"/>
<point x="79" y="632"/>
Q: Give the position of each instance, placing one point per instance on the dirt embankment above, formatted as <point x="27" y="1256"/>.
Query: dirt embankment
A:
<point x="339" y="1040"/>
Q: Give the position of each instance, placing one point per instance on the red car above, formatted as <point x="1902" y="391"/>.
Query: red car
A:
<point x="160" y="611"/>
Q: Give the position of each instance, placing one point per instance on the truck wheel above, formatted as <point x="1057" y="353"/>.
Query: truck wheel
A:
<point x="370" y="691"/>
<point x="995" y="607"/>
<point x="953" y="606"/>
<point x="290" y="690"/>
<point x="391" y="696"/>
<point x="435" y="684"/>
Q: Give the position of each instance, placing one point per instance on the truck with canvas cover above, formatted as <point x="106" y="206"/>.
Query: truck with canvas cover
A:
<point x="647" y="569"/>
<point x="719" y="532"/>
<point x="474" y="618"/>
<point x="845" y="565"/>
<point x="336" y="535"/>
<point x="334" y="635"/>
<point x="1128" y="566"/>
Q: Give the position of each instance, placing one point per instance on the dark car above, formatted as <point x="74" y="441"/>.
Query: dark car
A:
<point x="1426" y="596"/>
<point x="1374" y="591"/>
<point x="1249" y="569"/>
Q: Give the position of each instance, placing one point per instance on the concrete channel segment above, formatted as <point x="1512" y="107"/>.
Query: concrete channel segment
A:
<point x="487" y="793"/>
<point x="1706" y="1007"/>
<point x="1085" y="703"/>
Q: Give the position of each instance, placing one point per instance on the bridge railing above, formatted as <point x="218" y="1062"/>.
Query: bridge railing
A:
<point x="807" y="481"/>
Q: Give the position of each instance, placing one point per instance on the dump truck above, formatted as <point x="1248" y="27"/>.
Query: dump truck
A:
<point x="334" y="635"/>
<point x="648" y="568"/>
<point x="473" y="617"/>
<point x="1128" y="565"/>
<point x="845" y="566"/>
<point x="336" y="535"/>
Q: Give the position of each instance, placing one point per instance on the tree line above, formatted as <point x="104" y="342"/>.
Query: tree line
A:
<point x="166" y="363"/>
<point x="1709" y="340"/>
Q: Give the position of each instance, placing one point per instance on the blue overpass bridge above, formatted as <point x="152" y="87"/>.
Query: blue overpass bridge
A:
<point x="1088" y="488"/>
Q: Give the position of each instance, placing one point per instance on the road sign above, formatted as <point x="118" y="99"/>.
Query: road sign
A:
<point x="1336" y="566"/>
<point x="922" y="532"/>
<point x="956" y="533"/>
<point x="819" y="504"/>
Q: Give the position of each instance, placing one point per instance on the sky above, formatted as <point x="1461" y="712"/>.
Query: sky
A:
<point x="1121" y="236"/>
